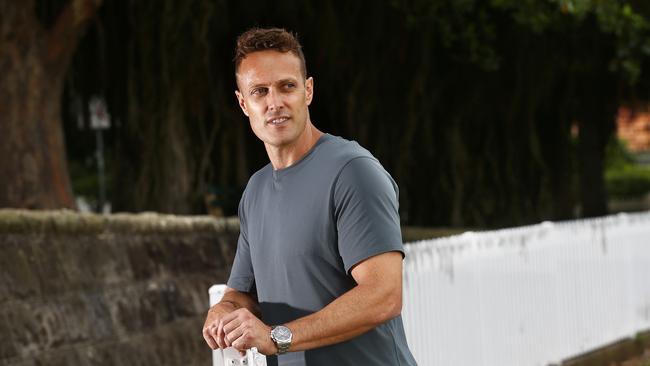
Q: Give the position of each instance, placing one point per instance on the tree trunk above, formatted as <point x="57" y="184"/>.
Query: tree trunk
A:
<point x="597" y="95"/>
<point x="595" y="131"/>
<point x="596" y="125"/>
<point x="33" y="63"/>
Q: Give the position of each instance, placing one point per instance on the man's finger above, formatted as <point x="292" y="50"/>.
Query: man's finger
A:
<point x="225" y="339"/>
<point x="233" y="335"/>
<point x="217" y="335"/>
<point x="208" y="338"/>
<point x="231" y="325"/>
<point x="229" y="317"/>
<point x="232" y="316"/>
<point x="242" y="343"/>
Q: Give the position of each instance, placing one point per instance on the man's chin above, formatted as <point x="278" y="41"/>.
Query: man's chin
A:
<point x="278" y="141"/>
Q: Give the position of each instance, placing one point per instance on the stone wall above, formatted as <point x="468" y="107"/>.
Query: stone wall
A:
<point x="83" y="289"/>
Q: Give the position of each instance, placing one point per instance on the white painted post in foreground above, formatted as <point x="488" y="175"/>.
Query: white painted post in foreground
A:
<point x="230" y="356"/>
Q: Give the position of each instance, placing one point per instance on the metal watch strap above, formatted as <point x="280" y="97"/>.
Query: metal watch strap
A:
<point x="282" y="347"/>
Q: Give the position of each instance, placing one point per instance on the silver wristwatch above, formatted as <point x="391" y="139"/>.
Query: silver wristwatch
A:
<point x="281" y="336"/>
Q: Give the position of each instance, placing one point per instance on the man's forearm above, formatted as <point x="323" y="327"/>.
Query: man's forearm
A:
<point x="354" y="313"/>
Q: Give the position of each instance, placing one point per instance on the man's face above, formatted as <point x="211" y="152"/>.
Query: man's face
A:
<point x="274" y="95"/>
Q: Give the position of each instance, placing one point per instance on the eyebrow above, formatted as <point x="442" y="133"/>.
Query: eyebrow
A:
<point x="281" y="81"/>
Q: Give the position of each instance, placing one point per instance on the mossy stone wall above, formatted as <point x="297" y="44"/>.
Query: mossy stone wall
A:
<point x="123" y="289"/>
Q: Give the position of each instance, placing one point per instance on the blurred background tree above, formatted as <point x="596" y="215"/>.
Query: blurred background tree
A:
<point x="37" y="42"/>
<point x="487" y="113"/>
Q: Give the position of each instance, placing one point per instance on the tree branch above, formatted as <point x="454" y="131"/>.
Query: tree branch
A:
<point x="62" y="39"/>
<point x="17" y="22"/>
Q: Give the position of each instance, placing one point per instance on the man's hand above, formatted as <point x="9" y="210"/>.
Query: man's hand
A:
<point x="213" y="327"/>
<point x="244" y="330"/>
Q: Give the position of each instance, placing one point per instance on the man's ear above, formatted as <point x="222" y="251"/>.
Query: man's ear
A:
<point x="242" y="103"/>
<point x="309" y="89"/>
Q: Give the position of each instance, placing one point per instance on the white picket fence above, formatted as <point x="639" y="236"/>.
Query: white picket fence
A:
<point x="533" y="295"/>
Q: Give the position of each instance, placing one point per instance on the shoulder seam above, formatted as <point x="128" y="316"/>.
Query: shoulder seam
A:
<point x="338" y="175"/>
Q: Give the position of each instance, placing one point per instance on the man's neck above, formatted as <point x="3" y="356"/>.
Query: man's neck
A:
<point x="285" y="156"/>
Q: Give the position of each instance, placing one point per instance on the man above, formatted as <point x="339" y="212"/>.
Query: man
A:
<point x="319" y="256"/>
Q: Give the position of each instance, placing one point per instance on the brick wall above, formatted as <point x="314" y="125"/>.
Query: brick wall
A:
<point x="82" y="289"/>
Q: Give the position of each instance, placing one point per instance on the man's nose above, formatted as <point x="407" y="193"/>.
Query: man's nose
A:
<point x="274" y="100"/>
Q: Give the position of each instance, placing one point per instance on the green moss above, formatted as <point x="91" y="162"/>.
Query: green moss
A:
<point x="71" y="222"/>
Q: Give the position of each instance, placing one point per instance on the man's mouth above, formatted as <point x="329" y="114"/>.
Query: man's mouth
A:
<point x="277" y="120"/>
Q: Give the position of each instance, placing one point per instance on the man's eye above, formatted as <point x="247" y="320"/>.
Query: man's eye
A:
<point x="259" y="91"/>
<point x="289" y="86"/>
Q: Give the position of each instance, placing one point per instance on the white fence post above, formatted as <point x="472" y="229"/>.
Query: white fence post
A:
<point x="230" y="356"/>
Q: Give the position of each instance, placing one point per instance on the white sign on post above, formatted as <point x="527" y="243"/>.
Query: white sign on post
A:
<point x="99" y="117"/>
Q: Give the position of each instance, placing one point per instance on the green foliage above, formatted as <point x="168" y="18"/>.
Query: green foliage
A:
<point x="623" y="177"/>
<point x="629" y="182"/>
<point x="617" y="156"/>
<point x="468" y="28"/>
<point x="618" y="19"/>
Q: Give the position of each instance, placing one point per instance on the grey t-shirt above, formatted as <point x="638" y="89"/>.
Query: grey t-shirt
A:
<point x="302" y="230"/>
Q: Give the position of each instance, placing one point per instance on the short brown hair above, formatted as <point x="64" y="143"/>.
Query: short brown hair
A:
<point x="262" y="39"/>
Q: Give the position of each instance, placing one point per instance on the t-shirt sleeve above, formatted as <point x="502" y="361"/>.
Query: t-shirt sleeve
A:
<point x="366" y="212"/>
<point x="242" y="277"/>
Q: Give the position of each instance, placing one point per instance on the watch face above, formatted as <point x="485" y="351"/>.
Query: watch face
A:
<point x="281" y="333"/>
